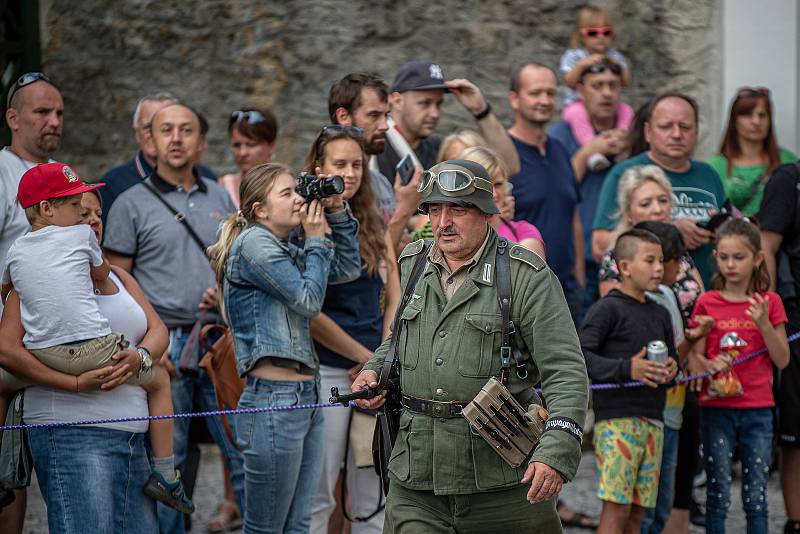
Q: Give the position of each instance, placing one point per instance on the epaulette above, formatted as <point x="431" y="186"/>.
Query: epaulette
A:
<point x="412" y="249"/>
<point x="518" y="252"/>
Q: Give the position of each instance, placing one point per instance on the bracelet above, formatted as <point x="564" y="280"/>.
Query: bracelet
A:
<point x="485" y="113"/>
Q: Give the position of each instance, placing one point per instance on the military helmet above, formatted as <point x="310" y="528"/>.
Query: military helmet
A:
<point x="458" y="181"/>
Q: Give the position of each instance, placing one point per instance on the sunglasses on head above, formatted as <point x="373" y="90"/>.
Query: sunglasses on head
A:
<point x="597" y="68"/>
<point x="753" y="91"/>
<point x="605" y="31"/>
<point x="26" y="79"/>
<point x="355" y="131"/>
<point x="252" y="117"/>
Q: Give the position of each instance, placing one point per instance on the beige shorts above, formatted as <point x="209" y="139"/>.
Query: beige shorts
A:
<point x="77" y="359"/>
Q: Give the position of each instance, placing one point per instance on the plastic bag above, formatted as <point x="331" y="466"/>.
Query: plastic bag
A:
<point x="726" y="383"/>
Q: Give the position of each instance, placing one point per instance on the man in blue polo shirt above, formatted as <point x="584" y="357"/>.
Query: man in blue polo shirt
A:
<point x="697" y="191"/>
<point x="119" y="179"/>
<point x="600" y="88"/>
<point x="545" y="189"/>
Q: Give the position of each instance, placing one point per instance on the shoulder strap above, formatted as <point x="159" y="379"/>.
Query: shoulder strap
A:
<point x="391" y="354"/>
<point x="502" y="266"/>
<point x="179" y="216"/>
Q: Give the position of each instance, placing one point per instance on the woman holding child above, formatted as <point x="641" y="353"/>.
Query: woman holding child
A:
<point x="92" y="474"/>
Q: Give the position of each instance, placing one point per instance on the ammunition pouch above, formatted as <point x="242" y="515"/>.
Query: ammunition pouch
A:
<point x="500" y="419"/>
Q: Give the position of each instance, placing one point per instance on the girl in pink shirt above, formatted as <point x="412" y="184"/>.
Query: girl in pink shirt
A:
<point x="736" y="401"/>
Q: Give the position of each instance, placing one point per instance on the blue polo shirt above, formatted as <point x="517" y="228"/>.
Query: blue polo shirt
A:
<point x="589" y="187"/>
<point x="546" y="195"/>
<point x="120" y="179"/>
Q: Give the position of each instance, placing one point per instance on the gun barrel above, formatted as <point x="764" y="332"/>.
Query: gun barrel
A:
<point x="364" y="393"/>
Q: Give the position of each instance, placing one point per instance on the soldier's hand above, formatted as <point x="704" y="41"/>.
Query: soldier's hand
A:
<point x="545" y="482"/>
<point x="368" y="378"/>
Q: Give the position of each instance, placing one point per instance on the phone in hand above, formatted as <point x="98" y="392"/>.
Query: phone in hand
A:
<point x="405" y="168"/>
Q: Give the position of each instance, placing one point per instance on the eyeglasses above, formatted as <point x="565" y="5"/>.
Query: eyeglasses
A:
<point x="597" y="68"/>
<point x="26" y="79"/>
<point x="453" y="182"/>
<point x="252" y="117"/>
<point x="605" y="31"/>
<point x="752" y="91"/>
<point x="355" y="131"/>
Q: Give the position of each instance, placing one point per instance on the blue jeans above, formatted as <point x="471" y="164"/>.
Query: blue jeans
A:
<point x="283" y="455"/>
<point x="91" y="479"/>
<point x="723" y="430"/>
<point x="655" y="518"/>
<point x="186" y="389"/>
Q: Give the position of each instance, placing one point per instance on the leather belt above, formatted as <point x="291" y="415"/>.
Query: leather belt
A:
<point x="433" y="408"/>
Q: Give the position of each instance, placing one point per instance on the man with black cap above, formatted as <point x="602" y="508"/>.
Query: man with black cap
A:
<point x="444" y="477"/>
<point x="416" y="101"/>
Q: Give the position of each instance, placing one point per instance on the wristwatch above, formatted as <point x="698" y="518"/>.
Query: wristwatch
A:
<point x="147" y="360"/>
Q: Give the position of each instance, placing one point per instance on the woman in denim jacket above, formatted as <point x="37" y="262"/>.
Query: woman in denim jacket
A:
<point x="271" y="289"/>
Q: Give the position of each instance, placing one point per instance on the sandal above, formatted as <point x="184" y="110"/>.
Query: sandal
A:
<point x="228" y="518"/>
<point x="577" y="519"/>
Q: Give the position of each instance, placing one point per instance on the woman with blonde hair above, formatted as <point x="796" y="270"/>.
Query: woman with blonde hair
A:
<point x="457" y="142"/>
<point x="645" y="194"/>
<point x="271" y="288"/>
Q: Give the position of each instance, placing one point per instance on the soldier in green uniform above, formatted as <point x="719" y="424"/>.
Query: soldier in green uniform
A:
<point x="444" y="477"/>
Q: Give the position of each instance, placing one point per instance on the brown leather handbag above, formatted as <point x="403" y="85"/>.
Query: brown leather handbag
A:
<point x="220" y="364"/>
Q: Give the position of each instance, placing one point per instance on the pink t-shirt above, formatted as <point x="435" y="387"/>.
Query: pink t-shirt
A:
<point x="755" y="374"/>
<point x="518" y="230"/>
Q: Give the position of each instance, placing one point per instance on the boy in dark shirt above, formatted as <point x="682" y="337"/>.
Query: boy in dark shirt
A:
<point x="628" y="435"/>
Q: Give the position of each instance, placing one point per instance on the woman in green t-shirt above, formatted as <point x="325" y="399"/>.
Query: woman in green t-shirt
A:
<point x="749" y="151"/>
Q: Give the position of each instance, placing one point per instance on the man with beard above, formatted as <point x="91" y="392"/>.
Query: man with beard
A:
<point x="148" y="234"/>
<point x="34" y="113"/>
<point x="600" y="88"/>
<point x="361" y="99"/>
<point x="416" y="101"/>
<point x="545" y="189"/>
<point x="671" y="131"/>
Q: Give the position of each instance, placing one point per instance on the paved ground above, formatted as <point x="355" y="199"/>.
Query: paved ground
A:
<point x="580" y="494"/>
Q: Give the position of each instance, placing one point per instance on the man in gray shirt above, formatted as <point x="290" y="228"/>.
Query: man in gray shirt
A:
<point x="148" y="235"/>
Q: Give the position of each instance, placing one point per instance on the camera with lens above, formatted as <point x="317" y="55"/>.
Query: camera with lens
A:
<point x="311" y="187"/>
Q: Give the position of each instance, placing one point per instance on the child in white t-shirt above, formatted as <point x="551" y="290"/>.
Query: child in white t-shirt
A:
<point x="52" y="269"/>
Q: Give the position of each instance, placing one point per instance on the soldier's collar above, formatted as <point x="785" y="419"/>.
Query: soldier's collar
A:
<point x="436" y="258"/>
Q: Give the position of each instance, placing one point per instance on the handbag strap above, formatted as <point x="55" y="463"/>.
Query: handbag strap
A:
<point x="391" y="354"/>
<point x="178" y="215"/>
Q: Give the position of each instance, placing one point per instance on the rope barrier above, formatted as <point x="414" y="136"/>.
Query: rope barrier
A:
<point x="240" y="411"/>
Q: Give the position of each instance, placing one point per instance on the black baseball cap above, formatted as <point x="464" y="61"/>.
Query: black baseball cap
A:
<point x="419" y="75"/>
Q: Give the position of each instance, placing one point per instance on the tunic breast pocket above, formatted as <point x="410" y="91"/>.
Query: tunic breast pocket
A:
<point x="408" y="346"/>
<point x="479" y="351"/>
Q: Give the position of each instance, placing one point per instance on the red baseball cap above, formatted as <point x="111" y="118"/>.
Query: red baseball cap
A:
<point x="50" y="180"/>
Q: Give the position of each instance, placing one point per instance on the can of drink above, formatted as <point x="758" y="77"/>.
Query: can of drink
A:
<point x="657" y="351"/>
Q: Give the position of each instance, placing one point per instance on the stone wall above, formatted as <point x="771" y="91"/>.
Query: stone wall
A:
<point x="222" y="55"/>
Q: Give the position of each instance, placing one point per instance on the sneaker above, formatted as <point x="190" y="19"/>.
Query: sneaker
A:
<point x="170" y="493"/>
<point x="597" y="162"/>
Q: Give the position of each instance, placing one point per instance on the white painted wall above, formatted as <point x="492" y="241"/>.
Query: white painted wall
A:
<point x="760" y="47"/>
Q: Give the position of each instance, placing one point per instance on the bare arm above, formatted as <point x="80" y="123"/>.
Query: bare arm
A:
<point x="15" y="358"/>
<point x="601" y="240"/>
<point x="100" y="272"/>
<point x="577" y="236"/>
<point x="407" y="203"/>
<point x="531" y="243"/>
<point x="392" y="286"/>
<point x="123" y="262"/>
<point x="771" y="244"/>
<point x="326" y="332"/>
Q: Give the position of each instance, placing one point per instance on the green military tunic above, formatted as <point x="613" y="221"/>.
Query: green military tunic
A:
<point x="448" y="348"/>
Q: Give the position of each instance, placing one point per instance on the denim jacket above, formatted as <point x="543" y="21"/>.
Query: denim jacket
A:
<point x="272" y="288"/>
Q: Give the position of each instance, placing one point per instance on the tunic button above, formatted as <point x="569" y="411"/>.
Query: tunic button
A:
<point x="439" y="391"/>
<point x="439" y="361"/>
<point x="442" y="333"/>
<point x="437" y="410"/>
<point x="449" y="280"/>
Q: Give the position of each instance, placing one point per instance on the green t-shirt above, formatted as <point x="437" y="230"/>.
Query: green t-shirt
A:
<point x="694" y="193"/>
<point x="745" y="185"/>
